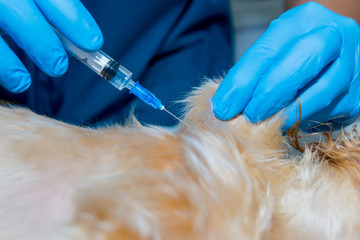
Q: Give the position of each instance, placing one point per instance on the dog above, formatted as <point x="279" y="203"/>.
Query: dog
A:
<point x="210" y="180"/>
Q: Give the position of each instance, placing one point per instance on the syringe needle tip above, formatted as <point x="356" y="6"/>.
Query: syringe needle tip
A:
<point x="175" y="117"/>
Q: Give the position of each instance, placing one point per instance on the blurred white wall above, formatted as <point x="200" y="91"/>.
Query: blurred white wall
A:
<point x="251" y="18"/>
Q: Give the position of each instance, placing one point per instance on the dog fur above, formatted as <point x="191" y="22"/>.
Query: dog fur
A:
<point x="211" y="180"/>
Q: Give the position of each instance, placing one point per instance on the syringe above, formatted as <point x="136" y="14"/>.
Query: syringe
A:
<point x="113" y="72"/>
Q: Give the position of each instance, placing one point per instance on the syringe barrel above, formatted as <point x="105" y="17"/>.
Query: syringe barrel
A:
<point x="117" y="75"/>
<point x="100" y="63"/>
<point x="112" y="71"/>
<point x="94" y="60"/>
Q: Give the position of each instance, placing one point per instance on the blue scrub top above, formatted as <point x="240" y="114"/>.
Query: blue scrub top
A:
<point x="169" y="45"/>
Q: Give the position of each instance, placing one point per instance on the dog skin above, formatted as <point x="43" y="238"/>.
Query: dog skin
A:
<point x="211" y="180"/>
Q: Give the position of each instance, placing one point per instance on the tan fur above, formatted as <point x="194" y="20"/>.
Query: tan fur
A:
<point x="212" y="180"/>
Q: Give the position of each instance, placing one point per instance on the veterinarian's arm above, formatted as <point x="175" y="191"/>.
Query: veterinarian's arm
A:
<point x="25" y="22"/>
<point x="310" y="53"/>
<point x="347" y="8"/>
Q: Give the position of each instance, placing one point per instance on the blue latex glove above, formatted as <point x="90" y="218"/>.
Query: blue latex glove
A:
<point x="25" y="22"/>
<point x="310" y="53"/>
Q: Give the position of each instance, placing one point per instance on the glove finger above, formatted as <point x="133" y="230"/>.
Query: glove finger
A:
<point x="305" y="59"/>
<point x="236" y="89"/>
<point x="13" y="74"/>
<point x="74" y="21"/>
<point x="25" y="24"/>
<point x="317" y="99"/>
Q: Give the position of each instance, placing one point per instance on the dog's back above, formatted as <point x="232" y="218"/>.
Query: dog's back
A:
<point x="212" y="180"/>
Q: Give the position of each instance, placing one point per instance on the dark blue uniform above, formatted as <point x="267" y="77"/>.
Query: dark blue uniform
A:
<point x="169" y="45"/>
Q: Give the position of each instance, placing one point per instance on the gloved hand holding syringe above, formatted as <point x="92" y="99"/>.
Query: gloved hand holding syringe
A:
<point x="114" y="73"/>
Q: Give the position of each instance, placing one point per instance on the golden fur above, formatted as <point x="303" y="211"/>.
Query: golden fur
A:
<point x="212" y="180"/>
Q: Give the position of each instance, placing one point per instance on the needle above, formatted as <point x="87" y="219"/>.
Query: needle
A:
<point x="163" y="108"/>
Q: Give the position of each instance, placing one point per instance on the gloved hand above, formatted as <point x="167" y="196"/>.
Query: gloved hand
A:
<point x="25" y="22"/>
<point x="310" y="53"/>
